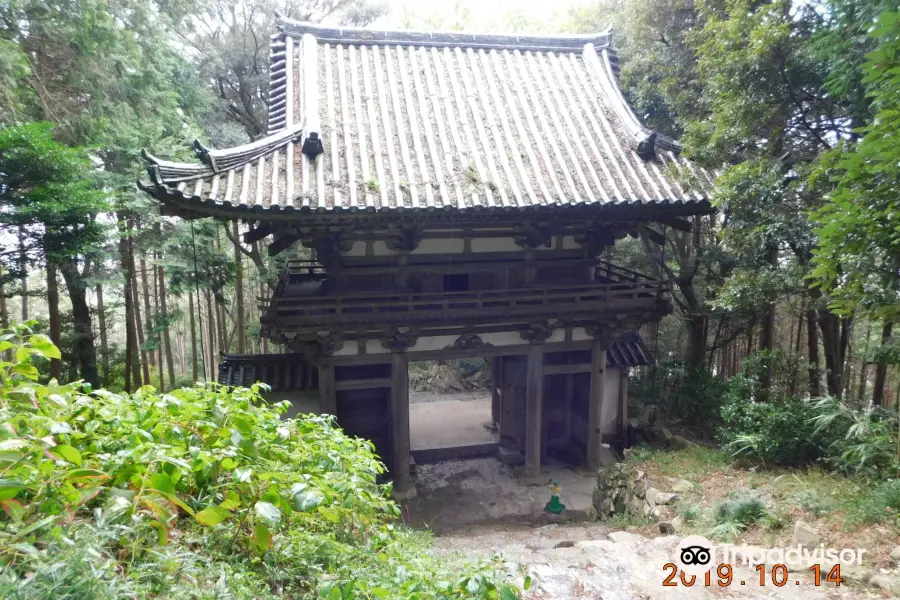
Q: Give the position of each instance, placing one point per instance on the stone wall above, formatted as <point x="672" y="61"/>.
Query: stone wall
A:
<point x="622" y="490"/>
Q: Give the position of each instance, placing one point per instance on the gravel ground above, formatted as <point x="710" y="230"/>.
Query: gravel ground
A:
<point x="590" y="561"/>
<point x="421" y="397"/>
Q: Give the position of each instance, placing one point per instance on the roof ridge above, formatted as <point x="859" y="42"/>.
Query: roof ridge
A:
<point x="401" y="37"/>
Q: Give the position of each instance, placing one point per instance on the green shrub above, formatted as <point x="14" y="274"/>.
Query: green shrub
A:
<point x="204" y="492"/>
<point x="883" y="504"/>
<point x="693" y="398"/>
<point x="735" y="515"/>
<point x="863" y="442"/>
<point x="779" y="431"/>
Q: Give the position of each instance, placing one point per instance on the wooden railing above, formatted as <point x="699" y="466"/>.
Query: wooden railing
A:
<point x="487" y="303"/>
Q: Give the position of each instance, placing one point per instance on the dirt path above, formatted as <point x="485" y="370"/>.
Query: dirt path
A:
<point x="592" y="561"/>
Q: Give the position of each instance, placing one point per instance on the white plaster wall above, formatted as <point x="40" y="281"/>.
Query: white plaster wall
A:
<point x="609" y="411"/>
<point x="506" y="244"/>
<point x="579" y="334"/>
<point x="440" y="246"/>
<point x="357" y="249"/>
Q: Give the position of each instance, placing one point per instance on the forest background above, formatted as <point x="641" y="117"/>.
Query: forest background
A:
<point x="793" y="282"/>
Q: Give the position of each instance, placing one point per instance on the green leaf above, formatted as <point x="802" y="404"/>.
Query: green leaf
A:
<point x="527" y="584"/>
<point x="67" y="453"/>
<point x="9" y="489"/>
<point x="162" y="482"/>
<point x="42" y="344"/>
<point x="212" y="515"/>
<point x="162" y="534"/>
<point x="177" y="501"/>
<point x="13" y="509"/>
<point x="262" y="538"/>
<point x="330" y="514"/>
<point x="509" y="593"/>
<point x="86" y="475"/>
<point x="268" y="513"/>
<point x="26" y="370"/>
<point x="308" y="500"/>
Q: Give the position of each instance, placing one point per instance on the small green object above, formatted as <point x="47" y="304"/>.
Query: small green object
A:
<point x="555" y="506"/>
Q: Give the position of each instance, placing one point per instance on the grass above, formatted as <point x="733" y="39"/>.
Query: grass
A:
<point x="741" y="501"/>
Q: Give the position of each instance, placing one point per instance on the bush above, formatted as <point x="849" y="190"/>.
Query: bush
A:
<point x="735" y="515"/>
<point x="883" y="504"/>
<point x="204" y="492"/>
<point x="863" y="442"/>
<point x="779" y="431"/>
<point x="694" y="398"/>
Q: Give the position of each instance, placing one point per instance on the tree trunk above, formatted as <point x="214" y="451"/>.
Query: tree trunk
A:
<point x="881" y="369"/>
<point x="167" y="337"/>
<point x="53" y="310"/>
<point x="156" y="320"/>
<point x="132" y="351"/>
<point x="104" y="342"/>
<point x="83" y="345"/>
<point x="23" y="265"/>
<point x="239" y="292"/>
<point x="211" y="336"/>
<point x="149" y="355"/>
<point x="812" y="349"/>
<point x="4" y="317"/>
<point x="696" y="349"/>
<point x="194" y="377"/>
<point x="264" y="341"/>
<point x="138" y="319"/>
<point x="835" y="334"/>
<point x="861" y="388"/>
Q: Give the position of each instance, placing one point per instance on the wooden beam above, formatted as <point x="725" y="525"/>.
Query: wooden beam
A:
<point x="400" y="423"/>
<point x="327" y="389"/>
<point x="566" y="369"/>
<point x="496" y="382"/>
<point x="595" y="403"/>
<point x="623" y="405"/>
<point x="363" y="384"/>
<point x="258" y="233"/>
<point x="533" y="409"/>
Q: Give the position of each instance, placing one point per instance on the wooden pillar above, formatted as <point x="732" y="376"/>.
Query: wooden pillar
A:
<point x="327" y="389"/>
<point x="598" y="374"/>
<point x="400" y="421"/>
<point x="623" y="405"/>
<point x="533" y="400"/>
<point x="497" y="381"/>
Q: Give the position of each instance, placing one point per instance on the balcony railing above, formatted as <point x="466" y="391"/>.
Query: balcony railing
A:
<point x="625" y="291"/>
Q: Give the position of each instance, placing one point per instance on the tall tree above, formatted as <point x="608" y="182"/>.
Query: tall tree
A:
<point x="232" y="42"/>
<point x="47" y="192"/>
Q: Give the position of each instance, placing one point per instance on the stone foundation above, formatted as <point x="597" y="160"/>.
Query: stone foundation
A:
<point x="622" y="490"/>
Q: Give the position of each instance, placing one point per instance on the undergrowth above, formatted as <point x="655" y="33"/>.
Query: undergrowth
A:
<point x="204" y="492"/>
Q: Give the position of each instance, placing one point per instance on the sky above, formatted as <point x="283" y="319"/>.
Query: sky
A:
<point x="479" y="15"/>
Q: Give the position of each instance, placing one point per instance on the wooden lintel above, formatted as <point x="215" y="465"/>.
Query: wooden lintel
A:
<point x="566" y="369"/>
<point x="363" y="384"/>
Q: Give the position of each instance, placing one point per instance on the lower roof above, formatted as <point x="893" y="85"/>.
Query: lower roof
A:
<point x="292" y="372"/>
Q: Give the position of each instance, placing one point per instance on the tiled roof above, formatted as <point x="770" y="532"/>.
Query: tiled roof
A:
<point x="369" y="120"/>
<point x="629" y="351"/>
